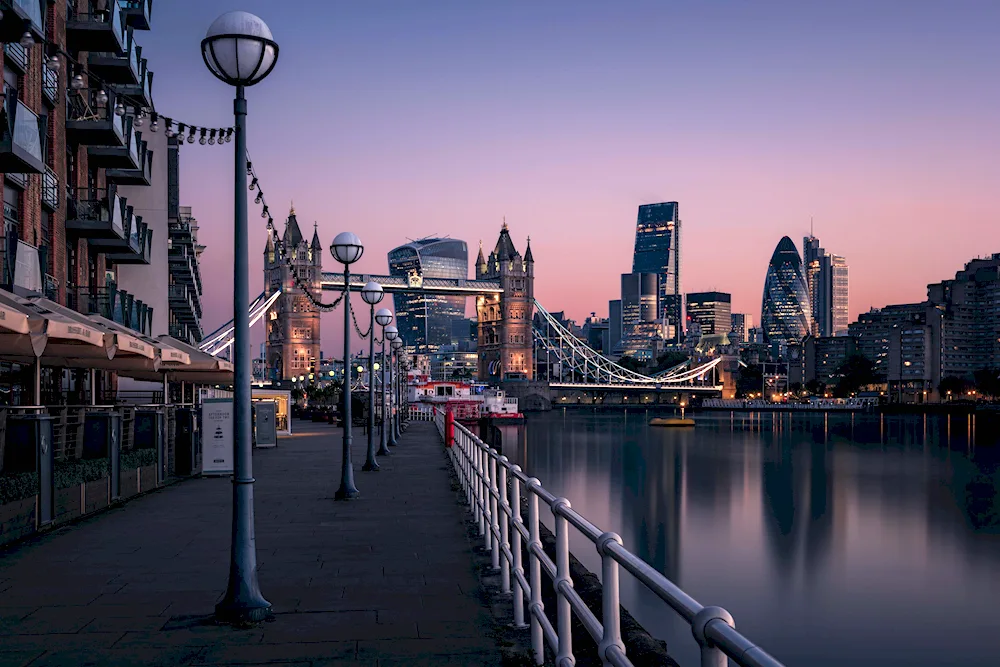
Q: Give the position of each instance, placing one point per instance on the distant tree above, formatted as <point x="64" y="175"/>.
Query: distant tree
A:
<point x="815" y="387"/>
<point x="988" y="381"/>
<point x="669" y="359"/>
<point x="297" y="394"/>
<point x="856" y="372"/>
<point x="750" y="380"/>
<point x="795" y="388"/>
<point x="953" y="386"/>
<point x="632" y="364"/>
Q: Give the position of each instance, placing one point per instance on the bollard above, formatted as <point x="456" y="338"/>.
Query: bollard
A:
<point x="449" y="428"/>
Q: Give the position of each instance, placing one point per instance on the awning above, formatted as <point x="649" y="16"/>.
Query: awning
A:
<point x="162" y="352"/>
<point x="124" y="350"/>
<point x="68" y="340"/>
<point x="22" y="333"/>
<point x="199" y="368"/>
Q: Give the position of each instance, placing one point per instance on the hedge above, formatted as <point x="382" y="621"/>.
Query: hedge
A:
<point x="17" y="486"/>
<point x="73" y="473"/>
<point x="138" y="458"/>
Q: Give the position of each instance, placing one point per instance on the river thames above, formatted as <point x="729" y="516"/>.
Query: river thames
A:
<point x="832" y="539"/>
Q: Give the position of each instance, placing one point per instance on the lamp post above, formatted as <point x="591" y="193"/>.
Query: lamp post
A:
<point x="347" y="249"/>
<point x="397" y="345"/>
<point x="392" y="335"/>
<point x="239" y="50"/>
<point x="384" y="318"/>
<point x="372" y="294"/>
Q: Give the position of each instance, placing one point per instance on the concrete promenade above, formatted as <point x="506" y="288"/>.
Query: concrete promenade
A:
<point x="385" y="580"/>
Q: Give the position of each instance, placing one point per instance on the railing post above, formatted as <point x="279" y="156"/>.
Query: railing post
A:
<point x="467" y="464"/>
<point x="711" y="655"/>
<point x="504" y="528"/>
<point x="610" y="604"/>
<point x="535" y="607"/>
<point x="515" y="509"/>
<point x="563" y="580"/>
<point x="487" y="517"/>
<point x="481" y="493"/>
<point x="494" y="519"/>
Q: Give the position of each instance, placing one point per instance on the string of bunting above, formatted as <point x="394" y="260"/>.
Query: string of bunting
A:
<point x="205" y="135"/>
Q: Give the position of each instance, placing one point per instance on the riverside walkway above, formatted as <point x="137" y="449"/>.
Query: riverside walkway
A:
<point x="386" y="580"/>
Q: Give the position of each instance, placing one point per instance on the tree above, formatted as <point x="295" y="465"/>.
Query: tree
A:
<point x="632" y="364"/>
<point x="856" y="372"/>
<point x="750" y="380"/>
<point x="953" y="387"/>
<point x="815" y="387"/>
<point x="988" y="381"/>
<point x="669" y="359"/>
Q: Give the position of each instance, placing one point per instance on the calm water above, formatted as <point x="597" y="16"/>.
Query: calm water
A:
<point x="833" y="540"/>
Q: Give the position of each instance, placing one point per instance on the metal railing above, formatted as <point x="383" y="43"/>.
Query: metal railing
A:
<point x="421" y="413"/>
<point x="494" y="488"/>
<point x="50" y="188"/>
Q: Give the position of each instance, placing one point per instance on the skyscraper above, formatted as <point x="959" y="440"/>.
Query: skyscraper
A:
<point x="425" y="321"/>
<point x="642" y="327"/>
<point x="741" y="325"/>
<point x="712" y="310"/>
<point x="827" y="282"/>
<point x="785" y="311"/>
<point x="657" y="250"/>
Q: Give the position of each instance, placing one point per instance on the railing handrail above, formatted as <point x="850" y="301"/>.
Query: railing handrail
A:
<point x="485" y="476"/>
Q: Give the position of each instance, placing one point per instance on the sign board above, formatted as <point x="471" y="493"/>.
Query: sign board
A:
<point x="217" y="436"/>
<point x="266" y="423"/>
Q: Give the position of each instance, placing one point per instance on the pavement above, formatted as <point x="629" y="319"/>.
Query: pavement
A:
<point x="388" y="579"/>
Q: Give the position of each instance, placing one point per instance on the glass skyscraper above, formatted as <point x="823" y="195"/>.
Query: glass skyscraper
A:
<point x="425" y="321"/>
<point x="658" y="250"/>
<point x="786" y="315"/>
<point x="827" y="280"/>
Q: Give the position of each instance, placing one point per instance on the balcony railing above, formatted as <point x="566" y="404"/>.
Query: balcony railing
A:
<point x="137" y="13"/>
<point x="50" y="287"/>
<point x="141" y="176"/>
<point x="95" y="213"/>
<point x="50" y="189"/>
<point x="91" y="122"/>
<point x="137" y="245"/>
<point x="16" y="55"/>
<point x="113" y="67"/>
<point x="96" y="30"/>
<point x="50" y="84"/>
<point x="142" y="90"/>
<point x="21" y="15"/>
<point x="118" y="157"/>
<point x="21" y="142"/>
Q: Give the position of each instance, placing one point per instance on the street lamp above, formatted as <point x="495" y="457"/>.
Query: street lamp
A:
<point x="372" y="293"/>
<point x="397" y="346"/>
<point x="391" y="335"/>
<point x="347" y="249"/>
<point x="240" y="51"/>
<point x="383" y="317"/>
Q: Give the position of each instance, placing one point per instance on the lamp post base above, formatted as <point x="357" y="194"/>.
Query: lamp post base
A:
<point x="370" y="467"/>
<point x="346" y="494"/>
<point x="240" y="612"/>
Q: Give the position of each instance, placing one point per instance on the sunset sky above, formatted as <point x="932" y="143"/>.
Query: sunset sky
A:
<point x="406" y="119"/>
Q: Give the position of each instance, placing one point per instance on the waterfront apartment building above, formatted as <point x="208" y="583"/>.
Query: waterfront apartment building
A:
<point x="898" y="340"/>
<point x="827" y="280"/>
<point x="823" y="356"/>
<point x="786" y="315"/>
<point x="425" y="321"/>
<point x="658" y="251"/>
<point x="712" y="310"/>
<point x="84" y="176"/>
<point x="741" y="325"/>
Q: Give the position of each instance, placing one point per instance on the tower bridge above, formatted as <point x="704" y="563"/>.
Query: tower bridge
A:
<point x="511" y="338"/>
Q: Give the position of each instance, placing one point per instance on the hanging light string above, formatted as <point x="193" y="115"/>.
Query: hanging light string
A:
<point x="365" y="334"/>
<point x="173" y="126"/>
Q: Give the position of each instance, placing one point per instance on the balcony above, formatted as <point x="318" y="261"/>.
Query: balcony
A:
<point x="141" y="176"/>
<point x="96" y="31"/>
<point x="21" y="142"/>
<point x="95" y="214"/>
<point x="142" y="90"/>
<point x="182" y="304"/>
<point x="137" y="13"/>
<point x="16" y="55"/>
<point x="112" y="67"/>
<point x="116" y="305"/>
<point x="50" y="190"/>
<point x="21" y="15"/>
<point x="118" y="157"/>
<point x="90" y="123"/>
<point x="137" y="245"/>
<point x="50" y="85"/>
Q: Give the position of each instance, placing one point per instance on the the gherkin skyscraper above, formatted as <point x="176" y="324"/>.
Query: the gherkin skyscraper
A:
<point x="785" y="313"/>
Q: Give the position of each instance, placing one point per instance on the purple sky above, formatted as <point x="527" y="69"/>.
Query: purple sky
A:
<point x="879" y="119"/>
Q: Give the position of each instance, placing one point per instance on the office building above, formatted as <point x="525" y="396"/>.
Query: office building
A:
<point x="614" y="325"/>
<point x="711" y="310"/>
<point x="828" y="286"/>
<point x="823" y="356"/>
<point x="786" y="315"/>
<point x="425" y="321"/>
<point x="451" y="364"/>
<point x="596" y="332"/>
<point x="658" y="250"/>
<point x="642" y="328"/>
<point x="741" y="325"/>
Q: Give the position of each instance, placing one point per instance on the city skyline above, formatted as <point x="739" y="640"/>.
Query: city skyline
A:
<point x="467" y="131"/>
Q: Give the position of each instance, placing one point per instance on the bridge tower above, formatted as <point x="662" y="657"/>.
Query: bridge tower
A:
<point x="505" y="340"/>
<point x="292" y="346"/>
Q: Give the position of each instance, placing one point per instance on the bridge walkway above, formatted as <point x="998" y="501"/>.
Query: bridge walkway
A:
<point x="385" y="580"/>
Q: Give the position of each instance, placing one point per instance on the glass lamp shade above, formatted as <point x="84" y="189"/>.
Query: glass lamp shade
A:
<point x="376" y="366"/>
<point x="383" y="316"/>
<point x="239" y="49"/>
<point x="371" y="292"/>
<point x="361" y="369"/>
<point x="396" y="343"/>
<point x="390" y="332"/>
<point x="346" y="248"/>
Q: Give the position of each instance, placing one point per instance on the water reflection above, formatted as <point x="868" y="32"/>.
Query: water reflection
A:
<point x="833" y="539"/>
